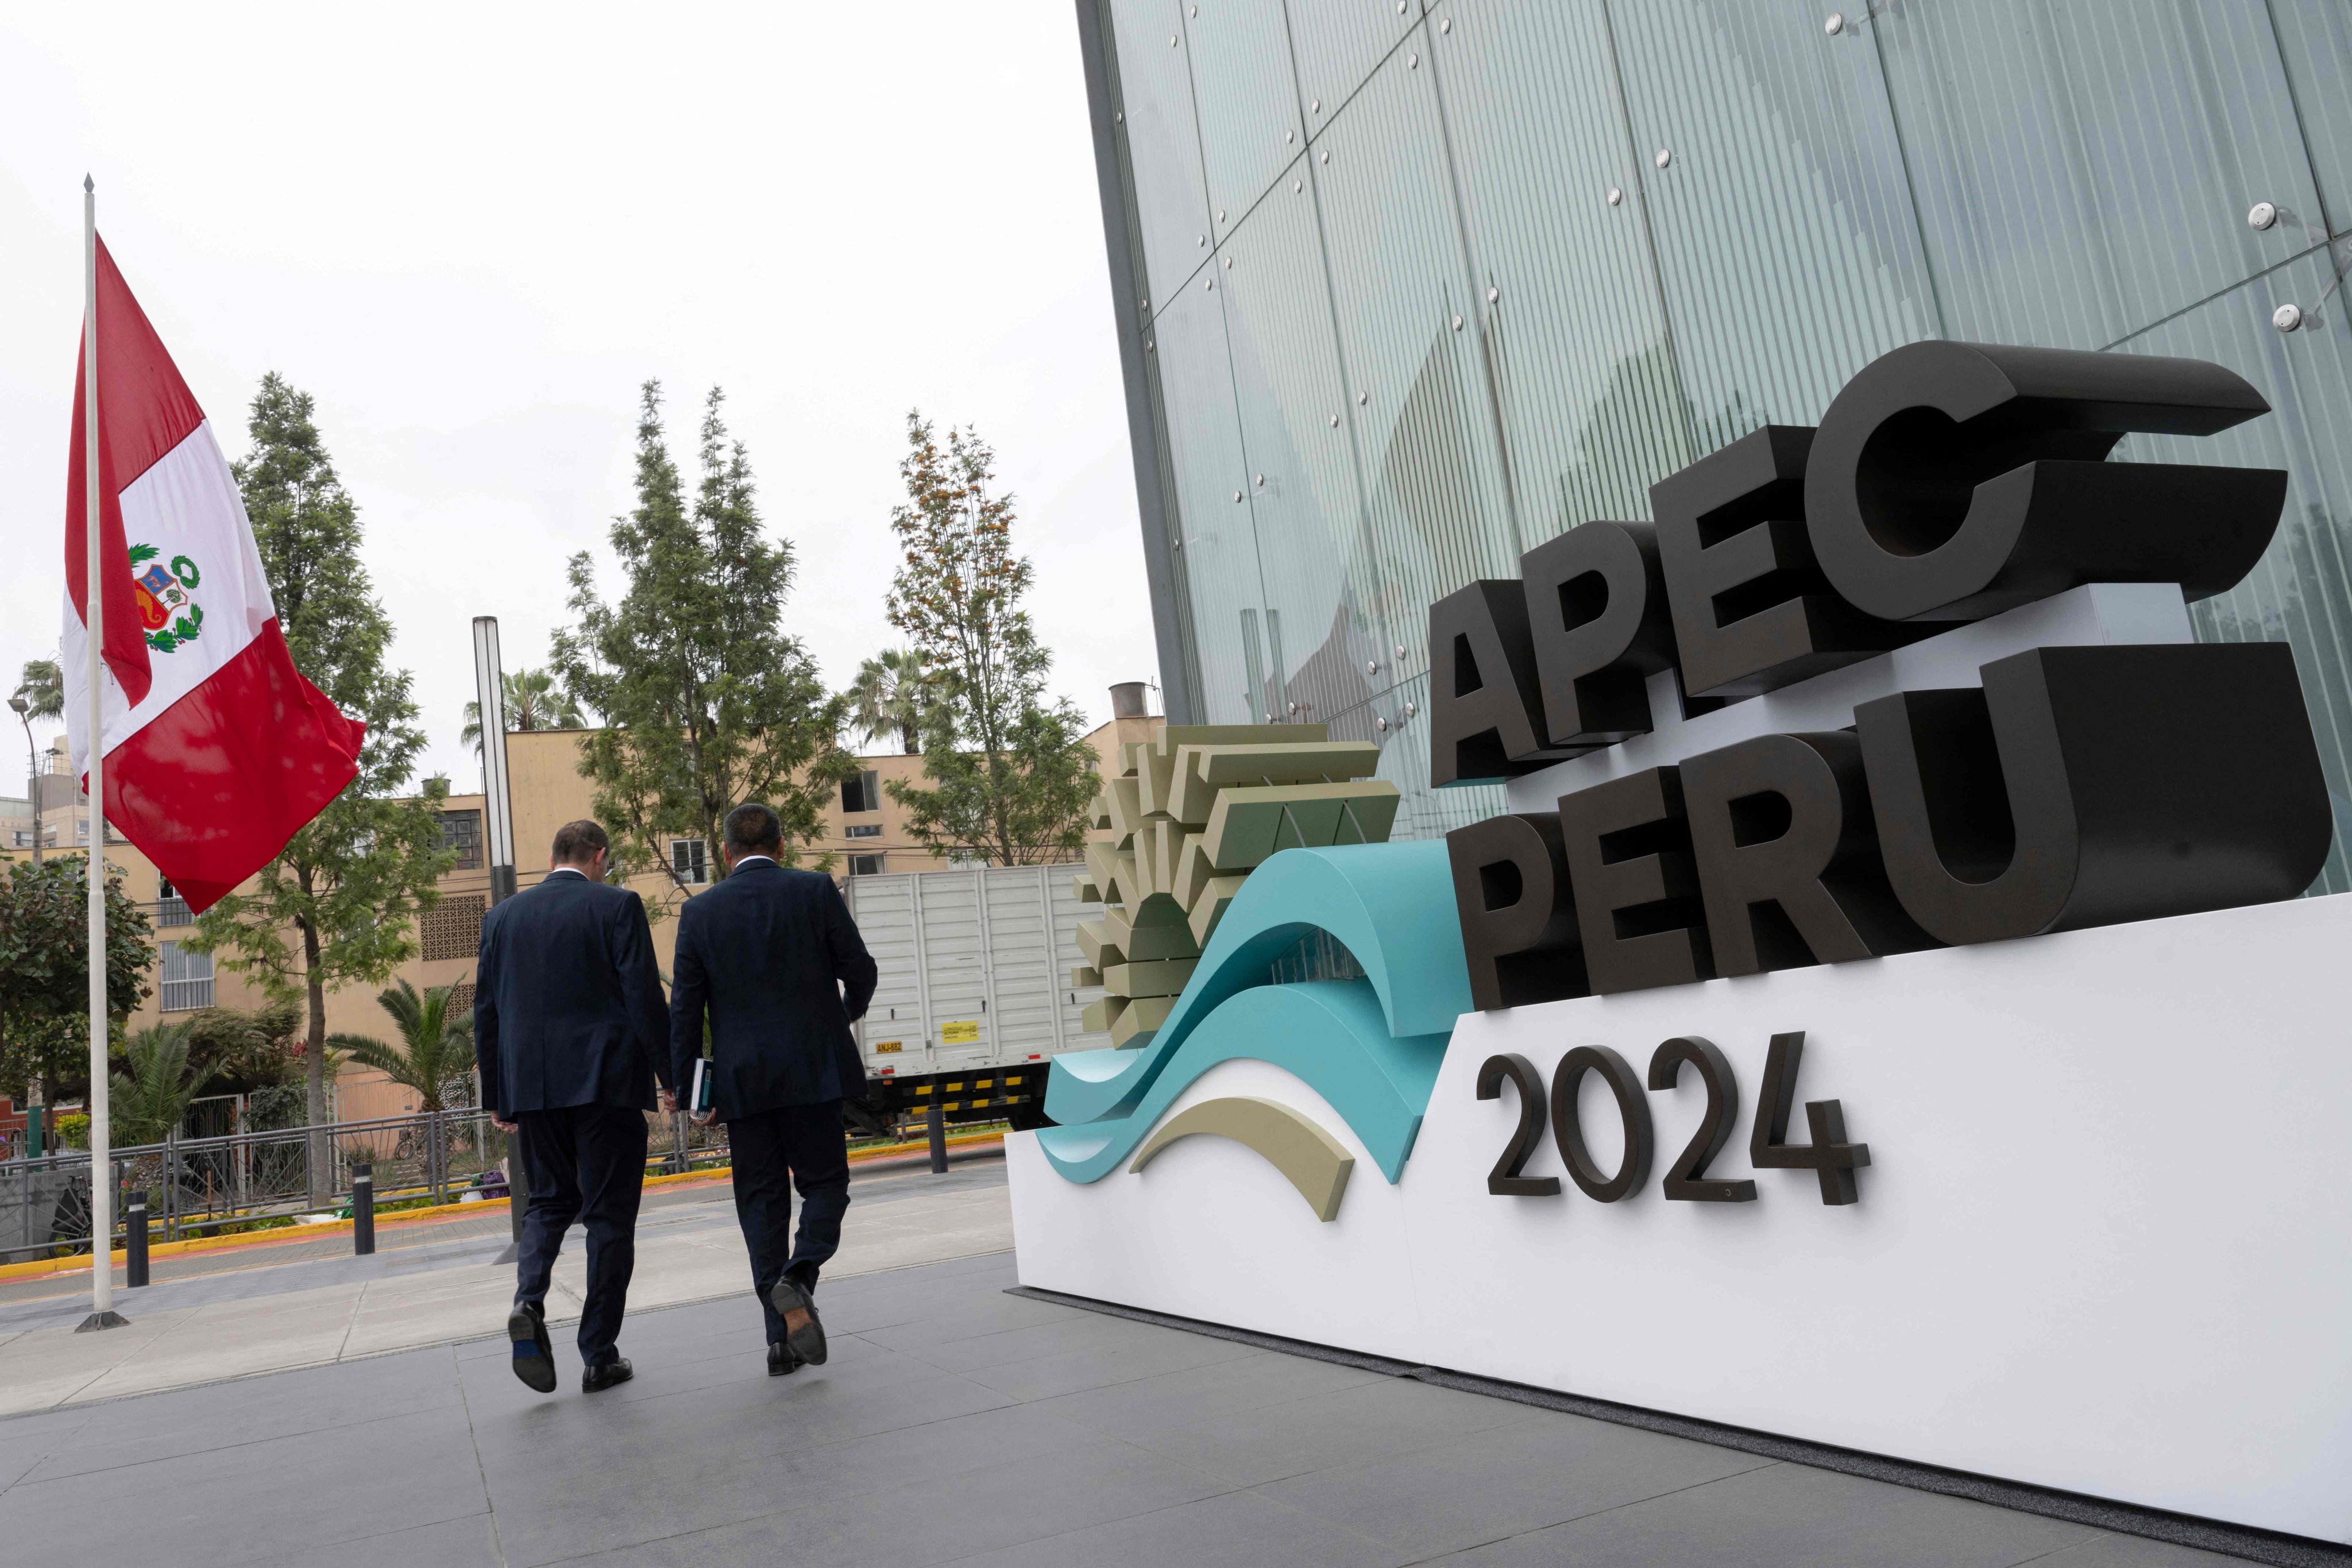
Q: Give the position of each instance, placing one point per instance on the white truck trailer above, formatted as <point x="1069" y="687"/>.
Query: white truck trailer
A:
<point x="974" y="995"/>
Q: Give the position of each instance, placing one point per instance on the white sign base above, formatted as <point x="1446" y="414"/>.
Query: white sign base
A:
<point x="2103" y="1243"/>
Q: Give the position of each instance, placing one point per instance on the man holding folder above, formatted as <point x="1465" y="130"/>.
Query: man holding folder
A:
<point x="772" y="959"/>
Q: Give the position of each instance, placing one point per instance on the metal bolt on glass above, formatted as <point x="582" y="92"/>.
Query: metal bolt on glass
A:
<point x="1335" y="422"/>
<point x="1261" y="479"/>
<point x="1493" y="293"/>
<point x="1372" y="666"/>
<point x="1171" y="40"/>
<point x="1412" y="62"/>
<point x="1616" y="196"/>
<point x="1288" y="137"/>
<point x="1382" y="723"/>
<point x="1207" y="282"/>
<point x="1229" y="264"/>
<point x="1237" y="495"/>
<point x="1362" y="398"/>
<point x="1447" y="26"/>
<point x="1297" y="185"/>
<point x="2287" y="318"/>
<point x="1119" y="117"/>
<point x="1399" y="651"/>
<point x="1221" y="215"/>
<point x="1326" y="154"/>
<point x="1316" y="106"/>
<point x="1835" y="23"/>
<point x="2261" y="215"/>
<point x="1457" y="323"/>
<point x="1410" y="709"/>
<point x="1665" y="156"/>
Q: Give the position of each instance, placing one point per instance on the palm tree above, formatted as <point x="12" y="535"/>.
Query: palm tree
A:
<point x="534" y="700"/>
<point x="887" y="699"/>
<point x="436" y="1046"/>
<point x="43" y="689"/>
<point x="150" y="1101"/>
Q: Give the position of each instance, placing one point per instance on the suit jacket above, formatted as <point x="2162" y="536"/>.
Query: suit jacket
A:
<point x="768" y="956"/>
<point x="567" y="1002"/>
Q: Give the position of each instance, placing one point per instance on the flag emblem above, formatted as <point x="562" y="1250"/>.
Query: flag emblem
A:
<point x="168" y="611"/>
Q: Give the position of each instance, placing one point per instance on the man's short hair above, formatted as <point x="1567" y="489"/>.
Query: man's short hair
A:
<point x="577" y="842"/>
<point x="754" y="829"/>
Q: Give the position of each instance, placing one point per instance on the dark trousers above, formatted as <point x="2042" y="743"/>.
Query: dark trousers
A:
<point x="775" y="1150"/>
<point x="586" y="1162"/>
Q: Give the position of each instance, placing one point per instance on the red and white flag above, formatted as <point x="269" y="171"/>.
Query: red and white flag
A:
<point x="217" y="750"/>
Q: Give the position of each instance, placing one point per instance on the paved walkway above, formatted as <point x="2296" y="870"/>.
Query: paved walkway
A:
<point x="953" y="1423"/>
<point x="222" y="1322"/>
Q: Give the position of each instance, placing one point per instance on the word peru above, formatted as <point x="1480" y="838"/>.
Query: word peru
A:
<point x="2065" y="787"/>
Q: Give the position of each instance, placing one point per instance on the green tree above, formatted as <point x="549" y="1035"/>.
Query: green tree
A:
<point x="436" y="1053"/>
<point x="45" y="969"/>
<point x="232" y="1051"/>
<point x="42" y="688"/>
<point x="708" y="702"/>
<point x="148" y="1101"/>
<point x="885" y="700"/>
<point x="338" y="906"/>
<point x="534" y="700"/>
<point x="1008" y="768"/>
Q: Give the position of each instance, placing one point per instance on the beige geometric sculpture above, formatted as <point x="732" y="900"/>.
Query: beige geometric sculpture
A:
<point x="1189" y="814"/>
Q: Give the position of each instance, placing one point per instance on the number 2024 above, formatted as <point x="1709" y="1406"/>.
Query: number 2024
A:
<point x="1828" y="1156"/>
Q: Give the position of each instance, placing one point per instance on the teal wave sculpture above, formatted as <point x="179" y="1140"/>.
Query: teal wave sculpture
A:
<point x="1370" y="1047"/>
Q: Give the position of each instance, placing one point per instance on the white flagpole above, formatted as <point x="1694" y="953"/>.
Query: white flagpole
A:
<point x="101" y="1176"/>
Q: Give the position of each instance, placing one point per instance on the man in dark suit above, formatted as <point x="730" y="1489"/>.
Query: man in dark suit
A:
<point x="568" y="1033"/>
<point x="773" y="958"/>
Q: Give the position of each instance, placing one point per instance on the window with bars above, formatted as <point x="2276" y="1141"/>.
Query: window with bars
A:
<point x="866" y="865"/>
<point x="865" y="830"/>
<point x="462" y="831"/>
<point x="453" y="928"/>
<point x="689" y="858"/>
<point x="187" y="979"/>
<point x="862" y="792"/>
<point x="170" y="909"/>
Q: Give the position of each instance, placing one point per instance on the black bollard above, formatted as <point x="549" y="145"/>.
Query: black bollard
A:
<point x="362" y="1210"/>
<point x="135" y="1242"/>
<point x="938" y="1121"/>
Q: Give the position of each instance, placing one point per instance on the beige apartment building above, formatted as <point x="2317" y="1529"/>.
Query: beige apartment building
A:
<point x="864" y="832"/>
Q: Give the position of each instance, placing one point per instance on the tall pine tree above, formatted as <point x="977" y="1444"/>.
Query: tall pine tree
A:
<point x="338" y="905"/>
<point x="707" y="702"/>
<point x="1008" y="767"/>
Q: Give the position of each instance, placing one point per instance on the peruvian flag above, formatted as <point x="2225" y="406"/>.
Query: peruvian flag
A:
<point x="216" y="749"/>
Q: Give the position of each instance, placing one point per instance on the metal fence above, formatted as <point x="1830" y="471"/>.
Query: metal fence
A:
<point x="203" y="1186"/>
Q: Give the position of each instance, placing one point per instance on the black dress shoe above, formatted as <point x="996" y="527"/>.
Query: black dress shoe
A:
<point x="807" y="1342"/>
<point x="594" y="1378"/>
<point x="781" y="1361"/>
<point x="534" y="1358"/>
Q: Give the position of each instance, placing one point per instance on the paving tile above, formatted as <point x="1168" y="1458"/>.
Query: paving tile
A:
<point x="1179" y="1398"/>
<point x="1239" y="1529"/>
<point x="935" y="1522"/>
<point x="982" y="1311"/>
<point x="572" y="1473"/>
<point x="1088" y="1331"/>
<point x="224" y="1506"/>
<point x="1124" y="1360"/>
<point x="1789" y="1516"/>
<point x="469" y="1542"/>
<point x="255" y="1410"/>
<point x="44" y="1367"/>
<point x="1348" y="1425"/>
<point x="2132" y="1551"/>
<point x="1507" y="1481"/>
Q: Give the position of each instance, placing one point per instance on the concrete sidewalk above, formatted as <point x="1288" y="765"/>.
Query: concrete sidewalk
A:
<point x="273" y="1316"/>
<point x="953" y="1423"/>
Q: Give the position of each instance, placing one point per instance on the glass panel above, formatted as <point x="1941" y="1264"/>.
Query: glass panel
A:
<point x="1163" y="148"/>
<point x="1424" y="812"/>
<point x="1786" y="242"/>
<point x="1436" y="502"/>
<point x="1338" y="43"/>
<point x="2301" y="592"/>
<point x="2082" y="171"/>
<point x="1210" y="477"/>
<point x="1592" y="414"/>
<point x="2315" y="40"/>
<point x="1247" y="100"/>
<point x="1312" y="549"/>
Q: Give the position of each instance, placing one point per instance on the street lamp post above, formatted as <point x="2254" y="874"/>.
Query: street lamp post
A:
<point x="32" y="769"/>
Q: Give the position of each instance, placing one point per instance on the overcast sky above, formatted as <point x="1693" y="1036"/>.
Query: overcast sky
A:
<point x="471" y="232"/>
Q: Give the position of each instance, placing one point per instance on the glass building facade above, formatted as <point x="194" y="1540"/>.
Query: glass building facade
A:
<point x="1408" y="287"/>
